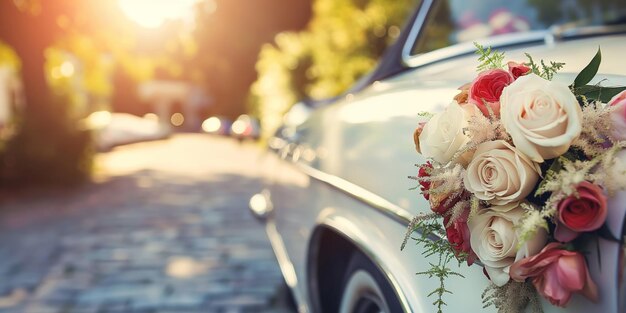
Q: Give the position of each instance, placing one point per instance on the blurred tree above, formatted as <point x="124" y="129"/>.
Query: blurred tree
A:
<point x="229" y="34"/>
<point x="47" y="146"/>
<point x="342" y="42"/>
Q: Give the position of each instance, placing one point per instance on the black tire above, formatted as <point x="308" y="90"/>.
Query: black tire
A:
<point x="365" y="289"/>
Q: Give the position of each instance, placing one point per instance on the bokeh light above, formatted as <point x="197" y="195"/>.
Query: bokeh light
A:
<point x="211" y="125"/>
<point x="239" y="127"/>
<point x="177" y="119"/>
<point x="153" y="13"/>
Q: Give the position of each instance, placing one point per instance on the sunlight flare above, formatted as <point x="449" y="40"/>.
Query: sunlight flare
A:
<point x="153" y="13"/>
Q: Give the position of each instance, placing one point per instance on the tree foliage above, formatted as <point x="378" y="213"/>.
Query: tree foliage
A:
<point x="342" y="42"/>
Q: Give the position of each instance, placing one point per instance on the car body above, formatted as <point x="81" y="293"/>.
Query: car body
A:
<point x="337" y="182"/>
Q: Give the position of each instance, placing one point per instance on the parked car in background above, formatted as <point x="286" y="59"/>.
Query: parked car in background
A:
<point x="245" y="127"/>
<point x="336" y="205"/>
<point x="217" y="125"/>
<point x="116" y="129"/>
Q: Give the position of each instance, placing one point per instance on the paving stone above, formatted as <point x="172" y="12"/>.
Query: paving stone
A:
<point x="163" y="238"/>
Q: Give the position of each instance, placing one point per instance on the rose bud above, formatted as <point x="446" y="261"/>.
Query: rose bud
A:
<point x="518" y="69"/>
<point x="583" y="212"/>
<point x="487" y="88"/>
<point x="556" y="274"/>
<point x="618" y="116"/>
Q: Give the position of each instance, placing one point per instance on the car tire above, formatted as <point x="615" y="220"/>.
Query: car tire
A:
<point x="365" y="289"/>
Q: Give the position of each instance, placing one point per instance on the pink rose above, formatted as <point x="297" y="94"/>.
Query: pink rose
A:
<point x="487" y="88"/>
<point x="584" y="213"/>
<point x="618" y="117"/>
<point x="556" y="274"/>
<point x="458" y="234"/>
<point x="518" y="69"/>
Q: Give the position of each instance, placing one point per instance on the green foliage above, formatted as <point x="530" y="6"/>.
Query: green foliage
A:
<point x="434" y="244"/>
<point x="46" y="150"/>
<point x="342" y="42"/>
<point x="425" y="114"/>
<point x="283" y="76"/>
<point x="589" y="72"/>
<point x="9" y="58"/>
<point x="489" y="59"/>
<point x="598" y="93"/>
<point x="543" y="70"/>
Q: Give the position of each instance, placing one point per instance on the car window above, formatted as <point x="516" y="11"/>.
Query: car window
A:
<point x="455" y="21"/>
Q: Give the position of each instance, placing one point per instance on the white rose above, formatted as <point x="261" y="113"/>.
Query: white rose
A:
<point x="500" y="174"/>
<point x="494" y="240"/>
<point x="542" y="117"/>
<point x="443" y="135"/>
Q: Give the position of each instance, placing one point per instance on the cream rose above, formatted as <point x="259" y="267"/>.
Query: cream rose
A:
<point x="542" y="117"/>
<point x="494" y="240"/>
<point x="500" y="174"/>
<point x="443" y="136"/>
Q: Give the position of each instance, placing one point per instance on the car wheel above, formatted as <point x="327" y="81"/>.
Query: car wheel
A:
<point x="366" y="290"/>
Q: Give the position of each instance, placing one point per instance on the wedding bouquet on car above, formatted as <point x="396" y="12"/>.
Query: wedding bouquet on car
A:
<point x="519" y="171"/>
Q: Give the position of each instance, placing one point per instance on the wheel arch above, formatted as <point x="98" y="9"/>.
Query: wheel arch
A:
<point x="329" y="252"/>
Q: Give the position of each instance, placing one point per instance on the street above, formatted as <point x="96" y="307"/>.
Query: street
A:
<point x="164" y="227"/>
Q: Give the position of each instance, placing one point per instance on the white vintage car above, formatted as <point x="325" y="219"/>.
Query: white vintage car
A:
<point x="337" y="203"/>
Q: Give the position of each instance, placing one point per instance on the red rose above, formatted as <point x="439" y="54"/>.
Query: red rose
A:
<point x="556" y="274"/>
<point x="459" y="236"/>
<point x="424" y="171"/>
<point x="584" y="213"/>
<point x="487" y="88"/>
<point x="518" y="69"/>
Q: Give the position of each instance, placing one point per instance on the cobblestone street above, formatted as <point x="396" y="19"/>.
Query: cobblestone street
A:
<point x="164" y="227"/>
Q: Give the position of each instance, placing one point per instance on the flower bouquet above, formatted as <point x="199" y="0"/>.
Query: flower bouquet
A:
<point x="519" y="171"/>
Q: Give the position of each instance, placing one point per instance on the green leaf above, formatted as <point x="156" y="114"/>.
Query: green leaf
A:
<point x="587" y="74"/>
<point x="599" y="93"/>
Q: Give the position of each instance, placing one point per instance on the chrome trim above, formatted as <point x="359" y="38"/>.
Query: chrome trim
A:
<point x="469" y="48"/>
<point x="395" y="212"/>
<point x="363" y="247"/>
<point x="285" y="264"/>
<point x="568" y="31"/>
<point x="367" y="197"/>
<point x="415" y="30"/>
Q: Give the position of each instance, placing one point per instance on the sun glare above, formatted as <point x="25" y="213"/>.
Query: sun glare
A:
<point x="153" y="13"/>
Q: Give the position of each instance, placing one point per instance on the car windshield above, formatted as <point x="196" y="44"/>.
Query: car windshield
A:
<point x="455" y="21"/>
